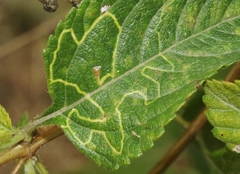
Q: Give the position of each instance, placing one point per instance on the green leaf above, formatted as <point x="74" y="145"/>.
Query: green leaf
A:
<point x="5" y="126"/>
<point x="226" y="161"/>
<point x="34" y="166"/>
<point x="117" y="78"/>
<point x="223" y="102"/>
<point x="23" y="120"/>
<point x="29" y="167"/>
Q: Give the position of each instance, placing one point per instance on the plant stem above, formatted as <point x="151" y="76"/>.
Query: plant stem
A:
<point x="180" y="145"/>
<point x="27" y="149"/>
<point x="20" y="163"/>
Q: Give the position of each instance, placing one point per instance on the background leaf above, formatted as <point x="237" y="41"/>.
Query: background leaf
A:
<point x="227" y="161"/>
<point x="116" y="79"/>
<point x="222" y="100"/>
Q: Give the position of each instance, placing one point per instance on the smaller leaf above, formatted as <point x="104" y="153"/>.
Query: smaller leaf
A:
<point x="34" y="166"/>
<point x="223" y="102"/>
<point x="29" y="167"/>
<point x="5" y="126"/>
<point x="23" y="120"/>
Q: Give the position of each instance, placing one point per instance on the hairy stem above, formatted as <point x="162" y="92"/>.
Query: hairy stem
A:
<point x="27" y="149"/>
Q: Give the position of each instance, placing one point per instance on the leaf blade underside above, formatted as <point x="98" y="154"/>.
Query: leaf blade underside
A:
<point x="117" y="78"/>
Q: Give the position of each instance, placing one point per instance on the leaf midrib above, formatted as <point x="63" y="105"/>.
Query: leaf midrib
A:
<point x="64" y="109"/>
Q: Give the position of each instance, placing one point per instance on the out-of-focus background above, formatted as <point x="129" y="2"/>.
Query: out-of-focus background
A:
<point x="24" y="30"/>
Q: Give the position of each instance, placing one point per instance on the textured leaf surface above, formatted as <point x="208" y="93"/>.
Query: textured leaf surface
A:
<point x="223" y="102"/>
<point x="5" y="126"/>
<point x="117" y="78"/>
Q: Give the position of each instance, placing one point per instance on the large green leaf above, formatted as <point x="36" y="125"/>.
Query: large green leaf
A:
<point x="117" y="78"/>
